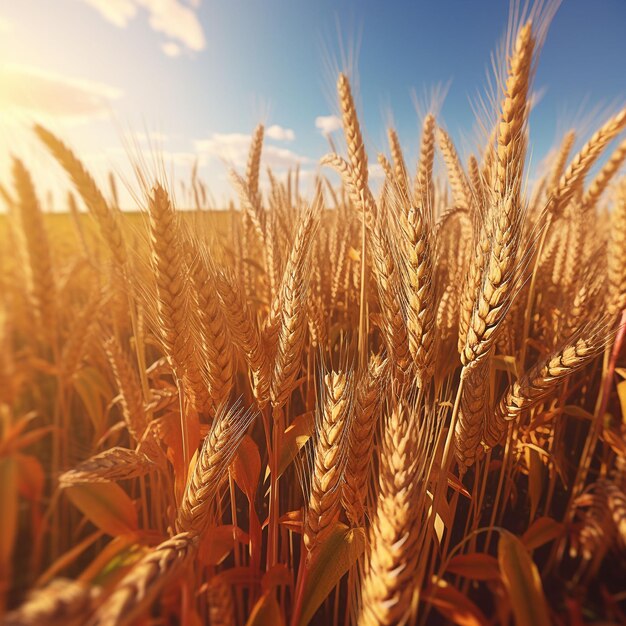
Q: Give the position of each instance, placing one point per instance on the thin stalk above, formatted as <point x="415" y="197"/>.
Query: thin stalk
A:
<point x="531" y="292"/>
<point x="608" y="372"/>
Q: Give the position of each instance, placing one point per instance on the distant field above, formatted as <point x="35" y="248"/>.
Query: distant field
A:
<point x="64" y="230"/>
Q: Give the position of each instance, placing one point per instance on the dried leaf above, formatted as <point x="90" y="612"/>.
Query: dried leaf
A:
<point x="523" y="583"/>
<point x="106" y="505"/>
<point x="218" y="542"/>
<point x="8" y="505"/>
<point x="475" y="566"/>
<point x="334" y="557"/>
<point x="293" y="520"/>
<point x="541" y="531"/>
<point x="246" y="467"/>
<point x="266" y="612"/>
<point x="454" y="605"/>
<point x="278" y="575"/>
<point x="294" y="437"/>
<point x="621" y="393"/>
<point x="535" y="480"/>
<point x="31" y="477"/>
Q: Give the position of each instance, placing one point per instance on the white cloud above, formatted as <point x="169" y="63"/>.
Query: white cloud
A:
<point x="279" y="133"/>
<point x="38" y="91"/>
<point x="174" y="19"/>
<point x="171" y="49"/>
<point x="234" y="147"/>
<point x="118" y="12"/>
<point x="327" y="124"/>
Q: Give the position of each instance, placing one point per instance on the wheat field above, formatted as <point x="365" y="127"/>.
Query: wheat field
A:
<point x="395" y="406"/>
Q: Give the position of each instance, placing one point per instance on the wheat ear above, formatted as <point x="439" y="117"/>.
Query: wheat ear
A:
<point x="419" y="290"/>
<point x="330" y="459"/>
<point x="173" y="295"/>
<point x="108" y="219"/>
<point x="583" y="161"/>
<point x="604" y="176"/>
<point x="399" y="165"/>
<point x="538" y="383"/>
<point x="472" y="412"/>
<point x="215" y="341"/>
<point x="227" y="430"/>
<point x="388" y="584"/>
<point x="254" y="161"/>
<point x="512" y="126"/>
<point x="423" y="184"/>
<point x="42" y="285"/>
<point x="292" y="327"/>
<point x="110" y="465"/>
<point x="354" y="139"/>
<point x="134" y="593"/>
<point x="561" y="160"/>
<point x="61" y="602"/>
<point x="129" y="387"/>
<point x="616" y="253"/>
<point x="362" y="427"/>
<point x="245" y="333"/>
<point x="390" y="291"/>
<point x="458" y="180"/>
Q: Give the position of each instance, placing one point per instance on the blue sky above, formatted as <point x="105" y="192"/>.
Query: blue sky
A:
<point x="197" y="75"/>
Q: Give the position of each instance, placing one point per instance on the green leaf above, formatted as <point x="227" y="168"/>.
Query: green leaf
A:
<point x="106" y="505"/>
<point x="523" y="583"/>
<point x="334" y="557"/>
